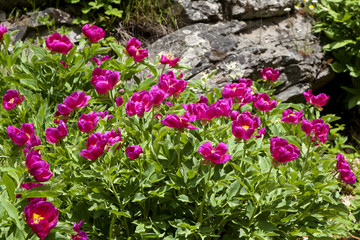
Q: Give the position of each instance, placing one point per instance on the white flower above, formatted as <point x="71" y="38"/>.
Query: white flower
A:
<point x="297" y="7"/>
<point x="287" y="9"/>
<point x="311" y="7"/>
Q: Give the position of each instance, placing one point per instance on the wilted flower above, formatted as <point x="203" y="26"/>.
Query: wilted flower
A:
<point x="318" y="101"/>
<point x="245" y="125"/>
<point x="283" y="151"/>
<point x="263" y="103"/>
<point x="95" y="146"/>
<point x="41" y="216"/>
<point x="133" y="151"/>
<point x="179" y="123"/>
<point x="94" y="33"/>
<point x="11" y="99"/>
<point x="217" y="155"/>
<point x="139" y="103"/>
<point x="316" y="129"/>
<point x="270" y="74"/>
<point x="292" y="117"/>
<point x="81" y="235"/>
<point x="87" y="122"/>
<point x="343" y="167"/>
<point x="169" y="60"/>
<point x="31" y="185"/>
<point x="58" y="43"/>
<point x="3" y="30"/>
<point x="53" y="135"/>
<point x="104" y="80"/>
<point x="37" y="167"/>
<point x="133" y="49"/>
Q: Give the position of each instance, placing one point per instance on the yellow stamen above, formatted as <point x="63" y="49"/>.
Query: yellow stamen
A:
<point x="245" y="127"/>
<point x="11" y="100"/>
<point x="37" y="218"/>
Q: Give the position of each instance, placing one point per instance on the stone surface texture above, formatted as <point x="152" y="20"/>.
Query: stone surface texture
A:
<point x="238" y="47"/>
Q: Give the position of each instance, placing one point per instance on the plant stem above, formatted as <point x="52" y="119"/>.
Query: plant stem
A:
<point x="111" y="226"/>
<point x="200" y="217"/>
<point x="264" y="189"/>
<point x="122" y="208"/>
<point x="306" y="160"/>
<point x="178" y="148"/>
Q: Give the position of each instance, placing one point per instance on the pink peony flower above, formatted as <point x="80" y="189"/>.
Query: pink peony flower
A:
<point x="239" y="92"/>
<point x="119" y="101"/>
<point x="22" y="135"/>
<point x="53" y="135"/>
<point x="94" y="33"/>
<point x="104" y="80"/>
<point x="222" y="107"/>
<point x="12" y="99"/>
<point x="87" y="122"/>
<point x="343" y="167"/>
<point x="133" y="151"/>
<point x="95" y="146"/>
<point x="112" y="138"/>
<point x="201" y="110"/>
<point x="28" y="186"/>
<point x="72" y="102"/>
<point x="247" y="81"/>
<point x="104" y="115"/>
<point x="3" y="30"/>
<point x="179" y="123"/>
<point x="318" y="101"/>
<point x="133" y="49"/>
<point x="283" y="151"/>
<point x="203" y="100"/>
<point x="158" y="116"/>
<point x="158" y="95"/>
<point x="292" y="117"/>
<point x="260" y="133"/>
<point x="169" y="60"/>
<point x="81" y="235"/>
<point x="171" y="85"/>
<point x="41" y="216"/>
<point x="58" y="43"/>
<point x="169" y="104"/>
<point x="263" y="103"/>
<point x="217" y="155"/>
<point x="99" y="61"/>
<point x="270" y="74"/>
<point x="37" y="167"/>
<point x="244" y="126"/>
<point x="316" y="129"/>
<point x="139" y="103"/>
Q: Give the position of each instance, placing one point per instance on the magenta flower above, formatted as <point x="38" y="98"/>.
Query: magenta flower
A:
<point x="318" y="101"/>
<point x="292" y="117"/>
<point x="94" y="33"/>
<point x="104" y="115"/>
<point x="222" y="107"/>
<point x="112" y="138"/>
<point x="41" y="216"/>
<point x="22" y="135"/>
<point x="343" y="167"/>
<point x="104" y="80"/>
<point x="95" y="146"/>
<point x="263" y="103"/>
<point x="158" y="95"/>
<point x="171" y="85"/>
<point x="316" y="129"/>
<point x="72" y="102"/>
<point x="99" y="61"/>
<point x="81" y="235"/>
<point x="270" y="74"/>
<point x="239" y="92"/>
<point x="37" y="167"/>
<point x="133" y="49"/>
<point x="247" y="81"/>
<point x="87" y="122"/>
<point x="139" y="103"/>
<point x="169" y="104"/>
<point x="59" y="120"/>
<point x="179" y="123"/>
<point x="217" y="155"/>
<point x="53" y="135"/>
<point x="12" y="99"/>
<point x="158" y="116"/>
<point x="64" y="64"/>
<point x="202" y="111"/>
<point x="3" y="30"/>
<point x="33" y="142"/>
<point x="244" y="126"/>
<point x="119" y="101"/>
<point x="260" y="133"/>
<point x="283" y="151"/>
<point x="133" y="151"/>
<point x="169" y="60"/>
<point x="28" y="186"/>
<point x="234" y="115"/>
<point x="203" y="100"/>
<point x="58" y="43"/>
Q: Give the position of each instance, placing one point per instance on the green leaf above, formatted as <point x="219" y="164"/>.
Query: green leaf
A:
<point x="336" y="45"/>
<point x="30" y="83"/>
<point x="65" y="228"/>
<point x="233" y="189"/>
<point x="10" y="186"/>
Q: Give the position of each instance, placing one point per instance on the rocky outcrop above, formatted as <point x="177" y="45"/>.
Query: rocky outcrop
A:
<point x="238" y="48"/>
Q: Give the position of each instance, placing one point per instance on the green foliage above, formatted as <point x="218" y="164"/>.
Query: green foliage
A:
<point x="167" y="193"/>
<point x="338" y="21"/>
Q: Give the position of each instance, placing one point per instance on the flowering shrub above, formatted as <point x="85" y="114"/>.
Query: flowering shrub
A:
<point x="131" y="161"/>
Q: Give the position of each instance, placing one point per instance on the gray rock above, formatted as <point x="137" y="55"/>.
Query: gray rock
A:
<point x="2" y="16"/>
<point x="59" y="16"/>
<point x="242" y="49"/>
